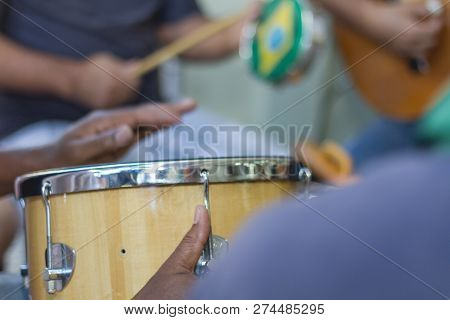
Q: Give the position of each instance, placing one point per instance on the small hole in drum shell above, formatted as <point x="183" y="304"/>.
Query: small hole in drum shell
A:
<point x="123" y="251"/>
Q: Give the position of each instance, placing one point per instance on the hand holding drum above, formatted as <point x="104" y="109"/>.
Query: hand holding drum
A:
<point x="132" y="218"/>
<point x="176" y="276"/>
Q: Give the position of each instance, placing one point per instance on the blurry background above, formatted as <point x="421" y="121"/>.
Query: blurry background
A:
<point x="229" y="89"/>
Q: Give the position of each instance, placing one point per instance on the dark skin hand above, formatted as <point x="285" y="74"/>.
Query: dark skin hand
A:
<point x="176" y="276"/>
<point x="102" y="81"/>
<point x="9" y="223"/>
<point x="102" y="136"/>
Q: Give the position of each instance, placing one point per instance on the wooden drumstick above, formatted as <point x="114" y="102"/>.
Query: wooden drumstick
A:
<point x="179" y="46"/>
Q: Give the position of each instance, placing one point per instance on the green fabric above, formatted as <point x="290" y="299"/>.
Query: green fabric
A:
<point x="434" y="128"/>
<point x="287" y="62"/>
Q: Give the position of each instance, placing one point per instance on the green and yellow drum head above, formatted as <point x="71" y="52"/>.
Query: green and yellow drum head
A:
<point x="283" y="41"/>
<point x="276" y="44"/>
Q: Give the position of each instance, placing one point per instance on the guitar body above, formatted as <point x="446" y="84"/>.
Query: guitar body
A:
<point x="387" y="81"/>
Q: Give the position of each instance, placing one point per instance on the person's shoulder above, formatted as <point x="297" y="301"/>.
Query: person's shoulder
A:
<point x="402" y="198"/>
<point x="392" y="189"/>
<point x="413" y="164"/>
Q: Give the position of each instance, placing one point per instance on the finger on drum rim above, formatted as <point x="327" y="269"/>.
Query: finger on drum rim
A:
<point x="188" y="252"/>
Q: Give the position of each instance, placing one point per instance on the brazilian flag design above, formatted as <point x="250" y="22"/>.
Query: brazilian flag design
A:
<point x="276" y="45"/>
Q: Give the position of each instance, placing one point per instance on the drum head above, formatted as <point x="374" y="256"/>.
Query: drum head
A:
<point x="277" y="42"/>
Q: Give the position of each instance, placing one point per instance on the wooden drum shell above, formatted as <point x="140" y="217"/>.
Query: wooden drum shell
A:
<point x="122" y="236"/>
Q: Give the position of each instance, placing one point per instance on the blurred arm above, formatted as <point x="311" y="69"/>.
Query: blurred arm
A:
<point x="27" y="71"/>
<point x="353" y="12"/>
<point x="219" y="46"/>
<point x="19" y="162"/>
<point x="98" y="138"/>
<point x="408" y="28"/>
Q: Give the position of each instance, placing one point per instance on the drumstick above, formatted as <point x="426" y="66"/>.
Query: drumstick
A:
<point x="179" y="46"/>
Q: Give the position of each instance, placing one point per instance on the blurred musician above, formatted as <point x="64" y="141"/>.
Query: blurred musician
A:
<point x="99" y="137"/>
<point x="385" y="238"/>
<point x="373" y="240"/>
<point x="411" y="31"/>
<point x="400" y="24"/>
<point x="61" y="59"/>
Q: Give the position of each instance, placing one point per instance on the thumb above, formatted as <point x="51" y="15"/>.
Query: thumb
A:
<point x="182" y="107"/>
<point x="131" y="68"/>
<point x="418" y="10"/>
<point x="162" y="115"/>
<point x="110" y="141"/>
<point x="435" y="7"/>
<point x="255" y="10"/>
<point x="432" y="26"/>
<point x="186" y="255"/>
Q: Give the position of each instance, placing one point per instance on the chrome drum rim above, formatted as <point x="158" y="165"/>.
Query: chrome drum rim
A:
<point x="160" y="173"/>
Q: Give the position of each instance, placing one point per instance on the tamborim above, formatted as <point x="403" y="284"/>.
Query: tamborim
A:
<point x="283" y="42"/>
<point x="101" y="232"/>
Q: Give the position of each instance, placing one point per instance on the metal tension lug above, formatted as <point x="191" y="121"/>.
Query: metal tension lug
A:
<point x="220" y="247"/>
<point x="63" y="264"/>
<point x="216" y="245"/>
<point x="59" y="258"/>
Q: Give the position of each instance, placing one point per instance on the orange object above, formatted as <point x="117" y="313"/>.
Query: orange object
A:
<point x="328" y="162"/>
